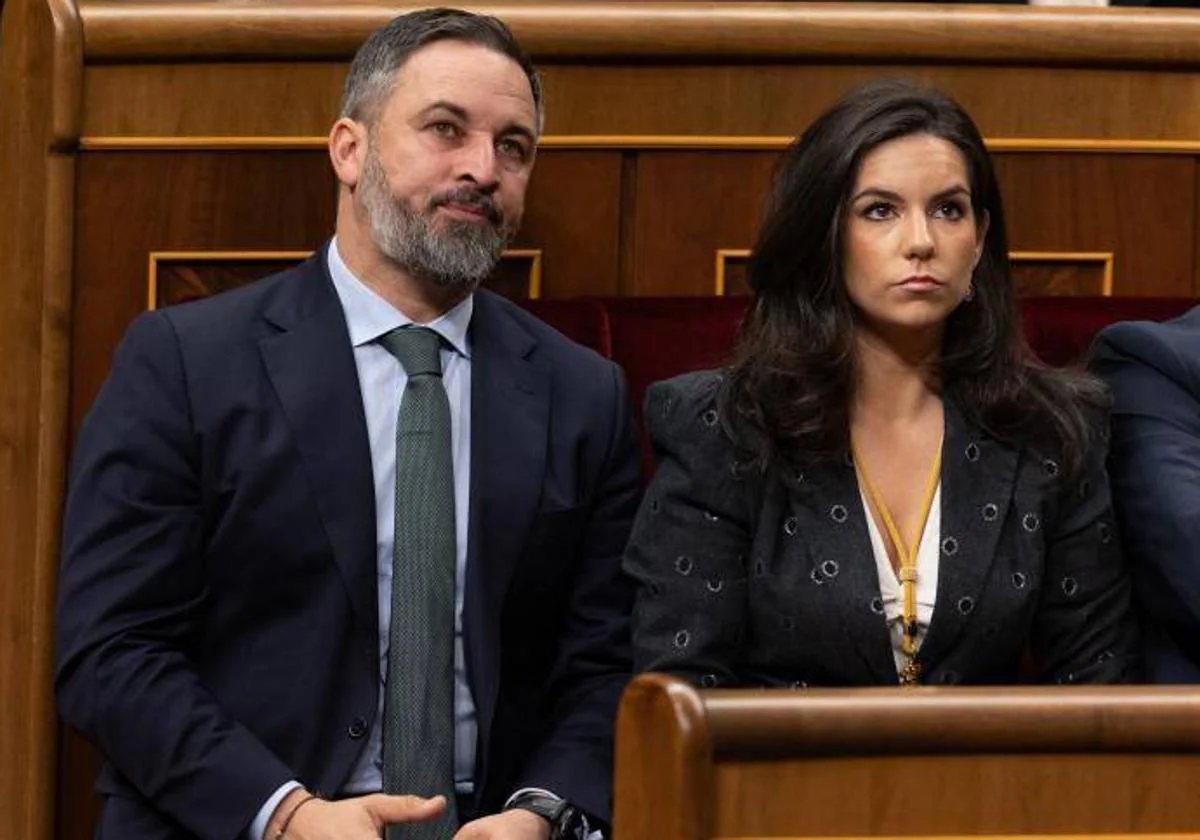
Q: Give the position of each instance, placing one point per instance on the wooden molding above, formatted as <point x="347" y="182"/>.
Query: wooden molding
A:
<point x="123" y="30"/>
<point x="1104" y="258"/>
<point x="66" y="74"/>
<point x="534" y="255"/>
<point x="1142" y="719"/>
<point x="724" y="255"/>
<point x="156" y="258"/>
<point x="640" y="142"/>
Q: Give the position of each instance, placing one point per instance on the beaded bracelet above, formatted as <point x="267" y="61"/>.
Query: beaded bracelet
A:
<point x="288" y="819"/>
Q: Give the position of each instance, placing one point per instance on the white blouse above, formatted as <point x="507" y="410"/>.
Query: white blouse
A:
<point x="927" y="577"/>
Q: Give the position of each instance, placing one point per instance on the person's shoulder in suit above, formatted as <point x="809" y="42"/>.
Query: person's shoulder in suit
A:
<point x="1153" y="370"/>
<point x="1170" y="347"/>
<point x="685" y="409"/>
<point x="551" y="344"/>
<point x="688" y="428"/>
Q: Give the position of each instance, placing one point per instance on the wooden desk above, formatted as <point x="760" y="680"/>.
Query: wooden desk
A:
<point x="1012" y="762"/>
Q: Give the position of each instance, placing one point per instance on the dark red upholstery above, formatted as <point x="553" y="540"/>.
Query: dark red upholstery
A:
<point x="1060" y="329"/>
<point x="657" y="338"/>
<point x="580" y="319"/>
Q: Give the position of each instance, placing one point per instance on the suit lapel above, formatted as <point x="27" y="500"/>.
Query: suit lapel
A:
<point x="311" y="365"/>
<point x="510" y="410"/>
<point x="844" y="561"/>
<point x="978" y="473"/>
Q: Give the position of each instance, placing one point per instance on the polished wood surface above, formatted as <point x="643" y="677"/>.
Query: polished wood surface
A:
<point x="756" y="31"/>
<point x="1139" y="208"/>
<point x="40" y="68"/>
<point x="954" y="721"/>
<point x="754" y="99"/>
<point x="905" y="762"/>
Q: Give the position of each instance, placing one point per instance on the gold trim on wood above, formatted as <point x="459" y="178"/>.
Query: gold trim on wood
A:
<point x="211" y="256"/>
<point x="534" y="255"/>
<point x="644" y="142"/>
<point x="723" y="256"/>
<point x="639" y="30"/>
<point x="1104" y="258"/>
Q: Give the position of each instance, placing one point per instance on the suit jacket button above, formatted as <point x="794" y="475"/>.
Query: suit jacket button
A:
<point x="357" y="728"/>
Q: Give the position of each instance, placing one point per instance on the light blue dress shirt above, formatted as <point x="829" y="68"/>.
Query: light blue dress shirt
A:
<point x="382" y="380"/>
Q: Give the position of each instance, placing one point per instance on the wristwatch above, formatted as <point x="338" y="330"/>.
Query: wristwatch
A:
<point x="566" y="821"/>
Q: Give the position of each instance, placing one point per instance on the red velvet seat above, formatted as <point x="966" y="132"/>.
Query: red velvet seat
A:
<point x="581" y="319"/>
<point x="657" y="338"/>
<point x="1060" y="329"/>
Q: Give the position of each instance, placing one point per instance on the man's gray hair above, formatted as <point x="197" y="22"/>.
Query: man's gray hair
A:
<point x="373" y="71"/>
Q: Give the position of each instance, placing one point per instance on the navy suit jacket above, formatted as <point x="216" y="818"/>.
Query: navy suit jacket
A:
<point x="1154" y="372"/>
<point x="217" y="621"/>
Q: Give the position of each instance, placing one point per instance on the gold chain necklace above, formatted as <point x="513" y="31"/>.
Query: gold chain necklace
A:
<point x="907" y="553"/>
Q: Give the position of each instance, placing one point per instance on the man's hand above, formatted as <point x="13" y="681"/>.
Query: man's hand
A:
<point x="514" y="824"/>
<point x="361" y="818"/>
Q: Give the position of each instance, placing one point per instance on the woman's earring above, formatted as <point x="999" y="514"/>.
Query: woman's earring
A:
<point x="970" y="295"/>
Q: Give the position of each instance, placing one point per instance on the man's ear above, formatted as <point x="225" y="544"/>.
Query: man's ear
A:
<point x="347" y="150"/>
<point x="981" y="232"/>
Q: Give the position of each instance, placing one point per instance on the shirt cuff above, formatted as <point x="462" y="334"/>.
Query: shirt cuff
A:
<point x="258" y="828"/>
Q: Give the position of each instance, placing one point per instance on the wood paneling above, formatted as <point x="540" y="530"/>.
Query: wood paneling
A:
<point x="964" y="794"/>
<point x="904" y="762"/>
<point x="658" y="30"/>
<point x="40" y="65"/>
<point x="751" y="99"/>
<point x="1141" y="208"/>
<point x="1196" y="230"/>
<point x="573" y="214"/>
<point x="689" y="205"/>
<point x="1051" y="276"/>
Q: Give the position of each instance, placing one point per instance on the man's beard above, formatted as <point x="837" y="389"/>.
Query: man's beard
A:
<point x="456" y="255"/>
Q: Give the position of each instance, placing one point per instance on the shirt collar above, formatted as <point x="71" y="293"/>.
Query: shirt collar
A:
<point x="369" y="316"/>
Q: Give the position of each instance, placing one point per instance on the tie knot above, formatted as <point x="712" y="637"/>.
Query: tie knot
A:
<point x="418" y="349"/>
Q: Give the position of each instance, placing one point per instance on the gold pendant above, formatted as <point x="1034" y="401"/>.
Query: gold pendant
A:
<point x="910" y="674"/>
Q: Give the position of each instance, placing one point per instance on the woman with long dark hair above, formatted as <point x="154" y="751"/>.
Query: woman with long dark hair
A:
<point x="884" y="485"/>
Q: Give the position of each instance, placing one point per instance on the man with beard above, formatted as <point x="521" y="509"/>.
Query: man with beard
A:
<point x="341" y="549"/>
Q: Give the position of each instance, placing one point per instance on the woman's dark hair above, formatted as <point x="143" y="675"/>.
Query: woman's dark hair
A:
<point x="790" y="386"/>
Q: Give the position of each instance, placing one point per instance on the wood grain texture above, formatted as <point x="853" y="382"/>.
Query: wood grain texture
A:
<point x="772" y="99"/>
<point x="142" y="29"/>
<point x="954" y="721"/>
<point x="39" y="60"/>
<point x="906" y="763"/>
<point x="1142" y="209"/>
<point x="664" y="783"/>
<point x="688" y="206"/>
<point x="1196" y="231"/>
<point x="929" y="796"/>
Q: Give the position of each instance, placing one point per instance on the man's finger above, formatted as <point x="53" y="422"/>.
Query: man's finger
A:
<point x="391" y="808"/>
